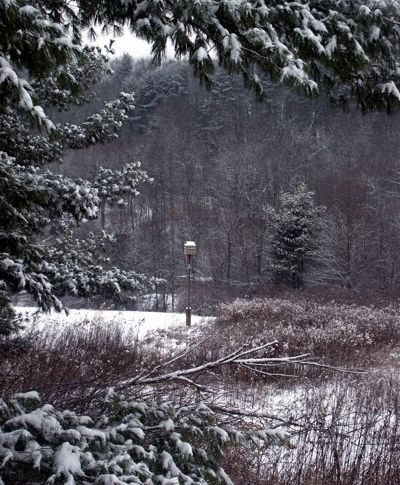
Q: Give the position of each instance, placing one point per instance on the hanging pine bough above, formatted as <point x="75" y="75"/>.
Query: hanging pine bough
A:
<point x="134" y="442"/>
<point x="79" y="267"/>
<point x="32" y="199"/>
<point x="348" y="48"/>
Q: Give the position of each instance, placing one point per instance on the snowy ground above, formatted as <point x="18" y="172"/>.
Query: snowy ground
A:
<point x="136" y="323"/>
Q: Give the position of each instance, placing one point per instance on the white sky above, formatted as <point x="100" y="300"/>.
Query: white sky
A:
<point x="128" y="43"/>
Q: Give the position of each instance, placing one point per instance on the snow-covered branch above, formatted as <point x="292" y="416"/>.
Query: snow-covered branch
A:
<point x="242" y="357"/>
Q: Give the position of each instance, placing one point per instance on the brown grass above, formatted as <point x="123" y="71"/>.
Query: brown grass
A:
<point x="350" y="425"/>
<point x="349" y="435"/>
<point x="72" y="367"/>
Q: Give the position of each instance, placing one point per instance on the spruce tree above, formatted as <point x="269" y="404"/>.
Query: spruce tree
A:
<point x="296" y="235"/>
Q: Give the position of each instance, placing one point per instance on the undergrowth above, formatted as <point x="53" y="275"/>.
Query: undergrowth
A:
<point x="346" y="426"/>
<point x="339" y="333"/>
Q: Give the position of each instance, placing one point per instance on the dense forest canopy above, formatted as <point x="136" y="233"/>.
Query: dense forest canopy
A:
<point x="349" y="49"/>
<point x="221" y="162"/>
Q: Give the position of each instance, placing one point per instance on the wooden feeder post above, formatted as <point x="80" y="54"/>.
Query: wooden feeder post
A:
<point x="189" y="250"/>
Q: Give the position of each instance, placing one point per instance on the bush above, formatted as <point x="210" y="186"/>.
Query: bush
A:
<point x="341" y="333"/>
<point x="70" y="366"/>
<point x="141" y="442"/>
<point x="348" y="434"/>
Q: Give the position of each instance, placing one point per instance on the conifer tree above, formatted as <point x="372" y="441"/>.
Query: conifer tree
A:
<point x="348" y="48"/>
<point x="297" y="229"/>
<point x="36" y="203"/>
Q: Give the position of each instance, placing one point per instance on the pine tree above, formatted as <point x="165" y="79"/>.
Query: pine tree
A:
<point x="296" y="235"/>
<point x="34" y="202"/>
<point x="135" y="441"/>
<point x="348" y="48"/>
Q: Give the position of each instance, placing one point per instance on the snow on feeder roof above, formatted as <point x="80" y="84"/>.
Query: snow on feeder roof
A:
<point x="189" y="248"/>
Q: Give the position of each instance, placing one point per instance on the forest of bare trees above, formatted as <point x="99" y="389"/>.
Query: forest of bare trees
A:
<point x="220" y="163"/>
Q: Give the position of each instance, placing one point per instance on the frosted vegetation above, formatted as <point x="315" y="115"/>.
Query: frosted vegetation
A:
<point x="93" y="406"/>
<point x="323" y="417"/>
<point x="132" y="442"/>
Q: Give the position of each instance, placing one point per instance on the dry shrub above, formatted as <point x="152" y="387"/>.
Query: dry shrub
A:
<point x="71" y="366"/>
<point x="349" y="435"/>
<point x="339" y="333"/>
<point x="350" y="426"/>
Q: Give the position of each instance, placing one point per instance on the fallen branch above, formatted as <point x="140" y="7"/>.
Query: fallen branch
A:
<point x="240" y="357"/>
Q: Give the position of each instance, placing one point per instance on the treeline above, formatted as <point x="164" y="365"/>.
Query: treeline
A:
<point x="221" y="163"/>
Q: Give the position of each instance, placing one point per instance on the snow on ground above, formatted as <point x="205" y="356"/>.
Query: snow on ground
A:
<point x="135" y="323"/>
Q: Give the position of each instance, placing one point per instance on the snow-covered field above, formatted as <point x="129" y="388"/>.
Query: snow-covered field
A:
<point x="135" y="323"/>
<point x="325" y="415"/>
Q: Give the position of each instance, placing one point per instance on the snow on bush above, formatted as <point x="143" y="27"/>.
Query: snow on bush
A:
<point x="149" y="443"/>
<point x="324" y="329"/>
